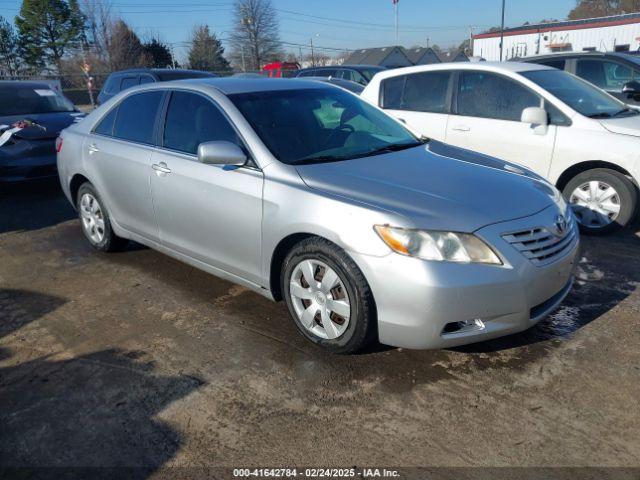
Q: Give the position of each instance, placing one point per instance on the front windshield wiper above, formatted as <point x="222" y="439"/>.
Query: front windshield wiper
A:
<point x="600" y="115"/>
<point x="626" y="110"/>
<point x="393" y="147"/>
<point x="320" y="159"/>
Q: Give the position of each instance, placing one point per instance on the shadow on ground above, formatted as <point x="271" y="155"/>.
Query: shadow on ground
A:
<point x="93" y="410"/>
<point x="32" y="206"/>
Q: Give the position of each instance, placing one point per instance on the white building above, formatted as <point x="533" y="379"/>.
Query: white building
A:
<point x="617" y="33"/>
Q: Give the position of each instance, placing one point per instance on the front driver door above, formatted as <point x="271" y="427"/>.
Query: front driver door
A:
<point x="486" y="119"/>
<point x="211" y="213"/>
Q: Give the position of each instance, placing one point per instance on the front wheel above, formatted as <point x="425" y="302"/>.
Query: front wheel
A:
<point x="328" y="297"/>
<point x="602" y="200"/>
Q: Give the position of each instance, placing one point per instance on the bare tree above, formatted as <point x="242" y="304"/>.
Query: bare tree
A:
<point x="125" y="49"/>
<point x="255" y="39"/>
<point x="99" y="22"/>
<point x="602" y="8"/>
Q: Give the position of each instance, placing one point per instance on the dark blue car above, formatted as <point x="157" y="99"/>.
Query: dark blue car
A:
<point x="35" y="114"/>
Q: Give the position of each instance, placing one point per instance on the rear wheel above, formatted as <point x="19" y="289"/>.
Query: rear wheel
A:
<point x="602" y="200"/>
<point x="95" y="222"/>
<point x="328" y="297"/>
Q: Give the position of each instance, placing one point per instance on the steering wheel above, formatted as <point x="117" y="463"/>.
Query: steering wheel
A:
<point x="340" y="128"/>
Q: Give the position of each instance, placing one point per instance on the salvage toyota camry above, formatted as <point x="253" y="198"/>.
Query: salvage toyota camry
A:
<point x="303" y="192"/>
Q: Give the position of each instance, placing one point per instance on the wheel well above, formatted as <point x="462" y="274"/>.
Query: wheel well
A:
<point x="574" y="170"/>
<point x="279" y="254"/>
<point x="75" y="184"/>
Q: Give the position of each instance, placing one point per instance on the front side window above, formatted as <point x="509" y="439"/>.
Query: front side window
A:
<point x="583" y="97"/>
<point x="25" y="99"/>
<point x="191" y="120"/>
<point x="609" y="76"/>
<point x="555" y="63"/>
<point x="136" y="117"/>
<point x="314" y="125"/>
<point x="487" y="95"/>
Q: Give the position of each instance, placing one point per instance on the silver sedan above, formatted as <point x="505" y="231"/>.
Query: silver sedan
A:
<point x="301" y="191"/>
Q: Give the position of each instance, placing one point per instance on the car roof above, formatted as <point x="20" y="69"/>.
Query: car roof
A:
<point x="575" y="54"/>
<point x="233" y="85"/>
<point x="352" y="67"/>
<point x="157" y="70"/>
<point x="515" y="67"/>
<point x="24" y="83"/>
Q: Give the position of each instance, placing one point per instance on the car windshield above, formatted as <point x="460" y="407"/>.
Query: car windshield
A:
<point x="578" y="94"/>
<point x="315" y="125"/>
<point x="31" y="99"/>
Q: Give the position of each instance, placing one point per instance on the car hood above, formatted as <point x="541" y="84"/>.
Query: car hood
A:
<point x="623" y="126"/>
<point x="436" y="186"/>
<point x="54" y="123"/>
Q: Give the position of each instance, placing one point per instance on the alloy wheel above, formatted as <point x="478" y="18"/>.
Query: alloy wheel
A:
<point x="595" y="203"/>
<point x="92" y="218"/>
<point x="320" y="299"/>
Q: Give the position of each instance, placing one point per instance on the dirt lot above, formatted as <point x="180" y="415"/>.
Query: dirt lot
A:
<point x="135" y="359"/>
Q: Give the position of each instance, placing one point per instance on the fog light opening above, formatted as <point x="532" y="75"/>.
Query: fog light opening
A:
<point x="464" y="326"/>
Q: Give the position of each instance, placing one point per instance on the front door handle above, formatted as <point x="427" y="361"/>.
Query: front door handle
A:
<point x="161" y="168"/>
<point x="460" y="128"/>
<point x="93" y="148"/>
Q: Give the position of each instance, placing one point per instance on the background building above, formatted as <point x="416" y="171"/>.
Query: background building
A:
<point x="618" y="33"/>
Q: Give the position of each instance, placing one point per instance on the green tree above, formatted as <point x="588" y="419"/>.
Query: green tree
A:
<point x="158" y="54"/>
<point x="48" y="29"/>
<point x="602" y="8"/>
<point x="9" y="51"/>
<point x="206" y="52"/>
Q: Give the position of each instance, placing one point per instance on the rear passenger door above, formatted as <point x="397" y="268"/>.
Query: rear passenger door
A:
<point x="211" y="213"/>
<point x="486" y="118"/>
<point x="118" y="158"/>
<point x="421" y="100"/>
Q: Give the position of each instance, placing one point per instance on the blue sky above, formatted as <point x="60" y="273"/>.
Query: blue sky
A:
<point x="348" y="24"/>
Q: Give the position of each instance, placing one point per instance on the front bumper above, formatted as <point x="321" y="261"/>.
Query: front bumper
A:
<point x="28" y="160"/>
<point x="416" y="299"/>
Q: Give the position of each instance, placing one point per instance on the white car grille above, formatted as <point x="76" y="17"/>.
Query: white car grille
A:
<point x="543" y="245"/>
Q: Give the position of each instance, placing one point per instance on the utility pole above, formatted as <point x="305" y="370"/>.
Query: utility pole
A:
<point x="244" y="68"/>
<point x="395" y="6"/>
<point x="470" y="40"/>
<point x="502" y="31"/>
<point x="313" y="58"/>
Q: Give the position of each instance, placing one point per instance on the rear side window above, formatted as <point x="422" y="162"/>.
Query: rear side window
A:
<point x="112" y="84"/>
<point x="146" y="79"/>
<point x="556" y="63"/>
<point x="426" y="92"/>
<point x="105" y="127"/>
<point x="418" y="92"/>
<point x="191" y="120"/>
<point x="486" y="95"/>
<point x="128" y="82"/>
<point x="307" y="73"/>
<point x="136" y="117"/>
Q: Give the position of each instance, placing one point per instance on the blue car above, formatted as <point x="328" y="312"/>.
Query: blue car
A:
<point x="32" y="115"/>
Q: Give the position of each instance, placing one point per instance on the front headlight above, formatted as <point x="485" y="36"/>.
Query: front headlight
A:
<point x="436" y="245"/>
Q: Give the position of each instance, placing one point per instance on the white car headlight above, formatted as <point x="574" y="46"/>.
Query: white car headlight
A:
<point x="437" y="245"/>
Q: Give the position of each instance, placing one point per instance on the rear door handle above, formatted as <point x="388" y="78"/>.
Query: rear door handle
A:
<point x="161" y="167"/>
<point x="460" y="128"/>
<point x="93" y="148"/>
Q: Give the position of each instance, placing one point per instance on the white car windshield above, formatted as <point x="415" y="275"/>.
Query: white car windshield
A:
<point x="580" y="95"/>
<point x="321" y="125"/>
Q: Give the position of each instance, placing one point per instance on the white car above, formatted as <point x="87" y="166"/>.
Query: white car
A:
<point x="580" y="138"/>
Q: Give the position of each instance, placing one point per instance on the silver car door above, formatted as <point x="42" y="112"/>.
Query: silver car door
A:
<point x="212" y="213"/>
<point x="118" y="158"/>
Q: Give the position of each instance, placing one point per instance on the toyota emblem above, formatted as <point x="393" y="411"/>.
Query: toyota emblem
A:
<point x="561" y="224"/>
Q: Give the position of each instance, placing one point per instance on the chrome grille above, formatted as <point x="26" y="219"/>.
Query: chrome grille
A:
<point x="541" y="245"/>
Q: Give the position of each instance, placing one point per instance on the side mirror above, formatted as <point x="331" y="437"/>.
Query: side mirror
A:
<point x="221" y="153"/>
<point x="631" y="88"/>
<point x="535" y="116"/>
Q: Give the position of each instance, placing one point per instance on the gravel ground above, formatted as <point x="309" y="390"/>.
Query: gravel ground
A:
<point x="134" y="359"/>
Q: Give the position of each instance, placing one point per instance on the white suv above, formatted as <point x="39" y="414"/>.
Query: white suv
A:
<point x="580" y="138"/>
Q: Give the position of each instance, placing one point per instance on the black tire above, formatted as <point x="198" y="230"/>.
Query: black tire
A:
<point x="362" y="327"/>
<point x="627" y="193"/>
<point x="110" y="241"/>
